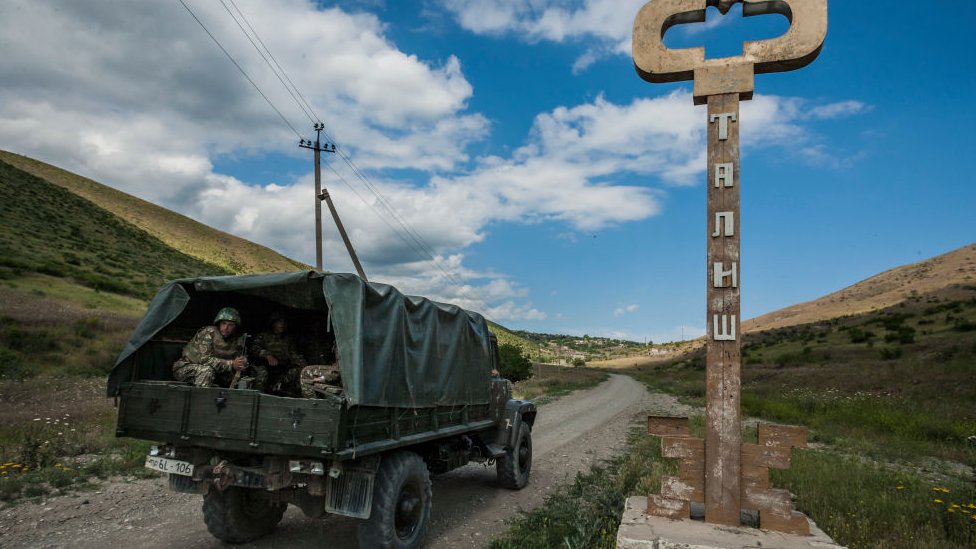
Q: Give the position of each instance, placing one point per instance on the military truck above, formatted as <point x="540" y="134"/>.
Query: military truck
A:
<point x="416" y="397"/>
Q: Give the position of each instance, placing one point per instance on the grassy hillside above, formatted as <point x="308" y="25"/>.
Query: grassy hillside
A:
<point x="906" y="372"/>
<point x="504" y="335"/>
<point x="46" y="229"/>
<point x="208" y="245"/>
<point x="888" y="397"/>
<point x="889" y="288"/>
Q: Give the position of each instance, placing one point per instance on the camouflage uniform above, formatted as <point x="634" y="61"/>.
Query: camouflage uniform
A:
<point x="290" y="363"/>
<point x="208" y="358"/>
<point x="322" y="377"/>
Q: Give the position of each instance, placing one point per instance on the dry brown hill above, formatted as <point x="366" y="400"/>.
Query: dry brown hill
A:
<point x="889" y="288"/>
<point x="175" y="230"/>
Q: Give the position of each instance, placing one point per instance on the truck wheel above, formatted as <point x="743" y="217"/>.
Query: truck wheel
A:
<point x="514" y="467"/>
<point x="238" y="515"/>
<point x="401" y="504"/>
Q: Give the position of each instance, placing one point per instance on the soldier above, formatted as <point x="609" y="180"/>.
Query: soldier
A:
<point x="322" y="376"/>
<point x="214" y="354"/>
<point x="282" y="363"/>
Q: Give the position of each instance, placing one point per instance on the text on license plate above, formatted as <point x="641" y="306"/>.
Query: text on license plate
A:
<point x="167" y="465"/>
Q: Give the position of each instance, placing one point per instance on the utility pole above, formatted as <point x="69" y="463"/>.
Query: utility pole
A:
<point x="323" y="194"/>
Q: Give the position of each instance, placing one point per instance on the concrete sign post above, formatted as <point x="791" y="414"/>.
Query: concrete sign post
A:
<point x="720" y="471"/>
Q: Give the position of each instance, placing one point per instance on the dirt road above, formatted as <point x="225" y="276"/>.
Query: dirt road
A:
<point x="468" y="507"/>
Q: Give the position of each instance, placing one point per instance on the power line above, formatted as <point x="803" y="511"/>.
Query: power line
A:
<point x="256" y="35"/>
<point x="263" y="56"/>
<point x="236" y="64"/>
<point x="425" y="249"/>
<point x="419" y="244"/>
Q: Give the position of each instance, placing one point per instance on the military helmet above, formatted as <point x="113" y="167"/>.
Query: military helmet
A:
<point x="228" y="313"/>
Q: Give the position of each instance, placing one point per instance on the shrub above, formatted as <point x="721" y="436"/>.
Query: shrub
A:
<point x="902" y="334"/>
<point x="890" y="354"/>
<point x="579" y="362"/>
<point x="963" y="325"/>
<point x="515" y="364"/>
<point x="858" y="335"/>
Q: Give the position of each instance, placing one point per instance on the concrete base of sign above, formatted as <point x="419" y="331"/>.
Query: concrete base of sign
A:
<point x="641" y="531"/>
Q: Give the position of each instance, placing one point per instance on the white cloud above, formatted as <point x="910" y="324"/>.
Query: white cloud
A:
<point x="609" y="22"/>
<point x="142" y="80"/>
<point x="620" y="311"/>
<point x="555" y="20"/>
<point x="136" y="95"/>
<point x="839" y="109"/>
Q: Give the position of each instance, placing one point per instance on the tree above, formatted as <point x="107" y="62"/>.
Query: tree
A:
<point x="515" y="364"/>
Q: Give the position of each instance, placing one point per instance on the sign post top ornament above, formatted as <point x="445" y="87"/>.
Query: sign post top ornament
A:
<point x="795" y="49"/>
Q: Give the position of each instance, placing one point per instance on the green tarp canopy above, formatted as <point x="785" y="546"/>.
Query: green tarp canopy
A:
<point x="393" y="349"/>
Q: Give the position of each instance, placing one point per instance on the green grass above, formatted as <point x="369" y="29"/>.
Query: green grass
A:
<point x="179" y="232"/>
<point x="861" y="504"/>
<point x="889" y="398"/>
<point x="865" y="505"/>
<point x="549" y="382"/>
<point x="67" y="292"/>
<point x="46" y="451"/>
<point x="48" y="230"/>
<point x="504" y="335"/>
<point x="587" y="513"/>
<point x="50" y="327"/>
<point x="881" y="395"/>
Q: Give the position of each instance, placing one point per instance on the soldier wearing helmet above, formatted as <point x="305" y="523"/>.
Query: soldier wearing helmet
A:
<point x="279" y="362"/>
<point x="214" y="354"/>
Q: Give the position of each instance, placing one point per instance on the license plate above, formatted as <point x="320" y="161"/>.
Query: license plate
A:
<point x="167" y="465"/>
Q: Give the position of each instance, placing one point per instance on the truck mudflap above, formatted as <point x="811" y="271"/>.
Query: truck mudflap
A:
<point x="349" y="487"/>
<point x="516" y="412"/>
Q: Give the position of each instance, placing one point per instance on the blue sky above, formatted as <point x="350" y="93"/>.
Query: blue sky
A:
<point x="555" y="190"/>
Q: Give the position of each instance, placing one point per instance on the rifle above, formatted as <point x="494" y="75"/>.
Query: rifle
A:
<point x="237" y="373"/>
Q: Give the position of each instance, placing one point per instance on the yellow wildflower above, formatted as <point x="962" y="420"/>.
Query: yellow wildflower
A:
<point x="936" y="501"/>
<point x="951" y="510"/>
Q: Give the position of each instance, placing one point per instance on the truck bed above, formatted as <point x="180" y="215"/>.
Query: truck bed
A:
<point x="252" y="422"/>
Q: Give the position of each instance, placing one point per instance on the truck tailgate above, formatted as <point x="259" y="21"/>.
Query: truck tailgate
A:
<point x="238" y="420"/>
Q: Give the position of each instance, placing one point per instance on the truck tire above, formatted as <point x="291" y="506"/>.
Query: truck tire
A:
<point x="239" y="515"/>
<point x="514" y="467"/>
<point x="401" y="504"/>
